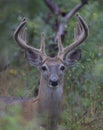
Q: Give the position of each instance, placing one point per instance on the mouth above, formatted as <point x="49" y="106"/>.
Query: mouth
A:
<point x="53" y="85"/>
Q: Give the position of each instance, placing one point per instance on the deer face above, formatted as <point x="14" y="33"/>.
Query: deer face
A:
<point x="53" y="69"/>
<point x="53" y="72"/>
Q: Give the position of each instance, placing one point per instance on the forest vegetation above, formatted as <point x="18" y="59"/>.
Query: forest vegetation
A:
<point x="83" y="89"/>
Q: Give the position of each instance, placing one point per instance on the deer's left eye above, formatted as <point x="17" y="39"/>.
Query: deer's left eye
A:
<point x="62" y="67"/>
<point x="44" y="68"/>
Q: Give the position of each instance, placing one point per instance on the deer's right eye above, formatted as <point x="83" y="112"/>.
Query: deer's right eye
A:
<point x="44" y="68"/>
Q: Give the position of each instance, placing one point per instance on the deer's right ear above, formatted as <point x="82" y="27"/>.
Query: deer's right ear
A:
<point x="33" y="58"/>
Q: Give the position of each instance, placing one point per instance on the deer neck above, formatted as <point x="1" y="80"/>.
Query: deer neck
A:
<point x="50" y="99"/>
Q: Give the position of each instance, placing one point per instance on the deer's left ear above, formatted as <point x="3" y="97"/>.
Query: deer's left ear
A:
<point x="72" y="57"/>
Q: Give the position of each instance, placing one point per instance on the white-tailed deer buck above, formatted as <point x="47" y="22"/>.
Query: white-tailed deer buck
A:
<point x="48" y="103"/>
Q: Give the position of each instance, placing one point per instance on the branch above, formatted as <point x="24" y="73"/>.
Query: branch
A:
<point x="73" y="11"/>
<point x="53" y="7"/>
<point x="61" y="29"/>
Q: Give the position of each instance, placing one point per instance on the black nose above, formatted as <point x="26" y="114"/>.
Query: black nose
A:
<point x="54" y="80"/>
<point x="53" y="83"/>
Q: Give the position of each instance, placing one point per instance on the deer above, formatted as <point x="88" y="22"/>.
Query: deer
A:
<point x="49" y="102"/>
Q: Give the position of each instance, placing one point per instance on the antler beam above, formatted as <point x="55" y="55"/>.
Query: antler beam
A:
<point x="80" y="35"/>
<point x="21" y="40"/>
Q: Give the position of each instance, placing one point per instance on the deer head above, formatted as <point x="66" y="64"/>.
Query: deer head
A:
<point x="52" y="68"/>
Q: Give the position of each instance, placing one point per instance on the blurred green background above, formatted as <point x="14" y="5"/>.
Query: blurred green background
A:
<point x="83" y="90"/>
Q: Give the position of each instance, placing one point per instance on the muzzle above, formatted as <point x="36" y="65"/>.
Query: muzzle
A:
<point x="53" y="81"/>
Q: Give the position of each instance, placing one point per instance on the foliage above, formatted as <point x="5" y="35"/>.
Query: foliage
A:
<point x="83" y="82"/>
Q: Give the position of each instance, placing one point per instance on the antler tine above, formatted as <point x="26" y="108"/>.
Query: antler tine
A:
<point x="80" y="35"/>
<point x="24" y="34"/>
<point x="77" y="32"/>
<point x="21" y="40"/>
